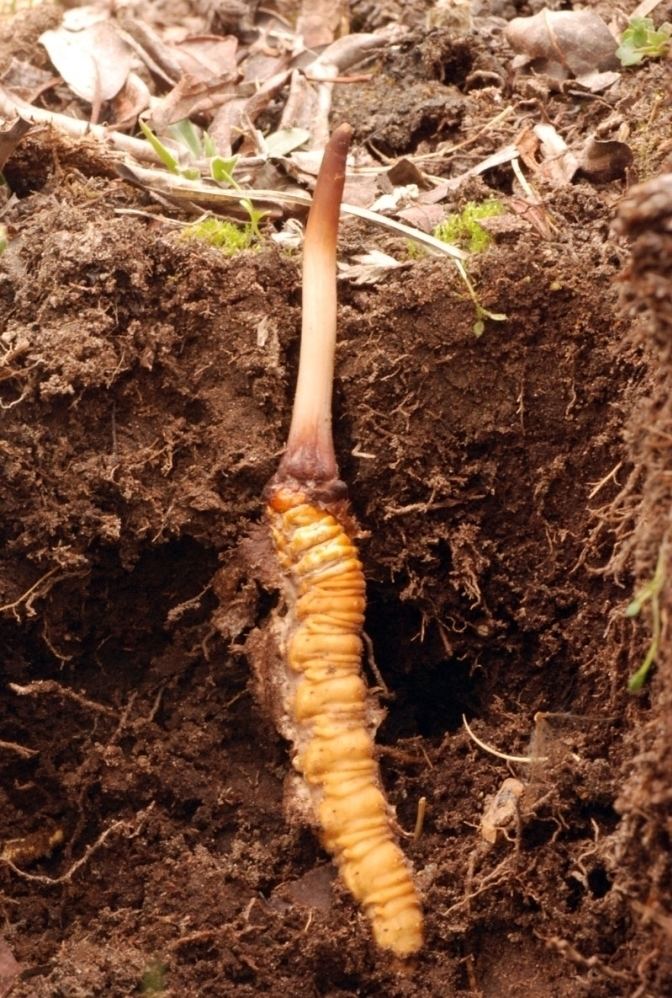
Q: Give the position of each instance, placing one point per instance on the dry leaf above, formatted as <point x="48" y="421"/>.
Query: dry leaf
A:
<point x="235" y="117"/>
<point x="595" y="82"/>
<point x="285" y="140"/>
<point x="94" y="62"/>
<point x="533" y="212"/>
<point x="189" y="97"/>
<point x="24" y="79"/>
<point x="158" y="57"/>
<point x="79" y="18"/>
<point x="320" y="20"/>
<point x="405" y="172"/>
<point x="564" y="42"/>
<point x="208" y="57"/>
<point x="558" y="164"/>
<point x="132" y="100"/>
<point x="605" y="160"/>
<point x="10" y="138"/>
<point x="394" y="199"/>
<point x="9" y="969"/>
<point x="370" y="267"/>
<point x="423" y="216"/>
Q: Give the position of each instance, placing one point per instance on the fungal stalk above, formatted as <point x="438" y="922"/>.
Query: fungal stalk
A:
<point x="310" y="448"/>
<point x="314" y="683"/>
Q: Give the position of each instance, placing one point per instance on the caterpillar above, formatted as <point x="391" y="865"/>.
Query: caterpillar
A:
<point x="327" y="701"/>
<point x="325" y="708"/>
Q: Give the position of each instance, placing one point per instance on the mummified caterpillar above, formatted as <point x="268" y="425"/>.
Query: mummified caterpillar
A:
<point x="325" y="708"/>
<point x="326" y="699"/>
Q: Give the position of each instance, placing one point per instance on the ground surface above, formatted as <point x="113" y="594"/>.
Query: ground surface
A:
<point x="146" y="394"/>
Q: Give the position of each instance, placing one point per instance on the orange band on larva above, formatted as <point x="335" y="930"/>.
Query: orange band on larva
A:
<point x="327" y="714"/>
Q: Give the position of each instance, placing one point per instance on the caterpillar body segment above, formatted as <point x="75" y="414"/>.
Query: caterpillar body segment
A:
<point x="327" y="713"/>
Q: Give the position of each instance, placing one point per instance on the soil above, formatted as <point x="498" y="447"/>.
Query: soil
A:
<point x="512" y="491"/>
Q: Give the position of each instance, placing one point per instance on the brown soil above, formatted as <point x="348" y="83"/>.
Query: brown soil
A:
<point x="511" y="494"/>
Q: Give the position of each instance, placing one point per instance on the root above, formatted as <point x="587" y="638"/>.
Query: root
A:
<point x="49" y="686"/>
<point x="43" y="586"/>
<point x="131" y="828"/>
<point x="591" y="963"/>
<point x="22" y="750"/>
<point x="502" y="755"/>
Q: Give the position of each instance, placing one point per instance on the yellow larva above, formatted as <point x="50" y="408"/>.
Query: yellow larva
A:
<point x="326" y="711"/>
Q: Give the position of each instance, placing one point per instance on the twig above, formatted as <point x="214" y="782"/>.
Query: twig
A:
<point x="644" y="8"/>
<point x="441" y="152"/>
<point x="10" y="105"/>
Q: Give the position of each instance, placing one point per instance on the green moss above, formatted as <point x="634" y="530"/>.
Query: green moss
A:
<point x="463" y="230"/>
<point x="153" y="980"/>
<point x="413" y="251"/>
<point x="228" y="237"/>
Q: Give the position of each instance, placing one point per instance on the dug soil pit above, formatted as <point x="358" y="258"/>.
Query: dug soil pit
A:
<point x="498" y="481"/>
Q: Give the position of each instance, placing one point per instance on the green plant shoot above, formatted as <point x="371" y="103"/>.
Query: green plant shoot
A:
<point x="222" y="169"/>
<point x="651" y="592"/>
<point x="464" y="230"/>
<point x="196" y="145"/>
<point x="199" y="145"/>
<point x="641" y="40"/>
<point x="165" y="155"/>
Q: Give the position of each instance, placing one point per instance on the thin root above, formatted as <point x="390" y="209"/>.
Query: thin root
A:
<point x="132" y="827"/>
<point x="22" y="750"/>
<point x="502" y="755"/>
<point x="48" y="686"/>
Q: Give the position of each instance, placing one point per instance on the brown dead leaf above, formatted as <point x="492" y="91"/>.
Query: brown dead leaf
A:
<point x="94" y="62"/>
<point x="319" y="21"/>
<point x="190" y="96"/>
<point x="404" y="172"/>
<point x="604" y="160"/>
<point x="132" y="100"/>
<point x="10" y="138"/>
<point x="564" y="42"/>
<point x="595" y="82"/>
<point x="527" y="144"/>
<point x="158" y="57"/>
<point x="235" y="117"/>
<point x="558" y="163"/>
<point x="208" y="57"/>
<point x="423" y="216"/>
<point x="9" y="969"/>
<point x="544" y="151"/>
<point x="533" y="212"/>
<point x="26" y="80"/>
